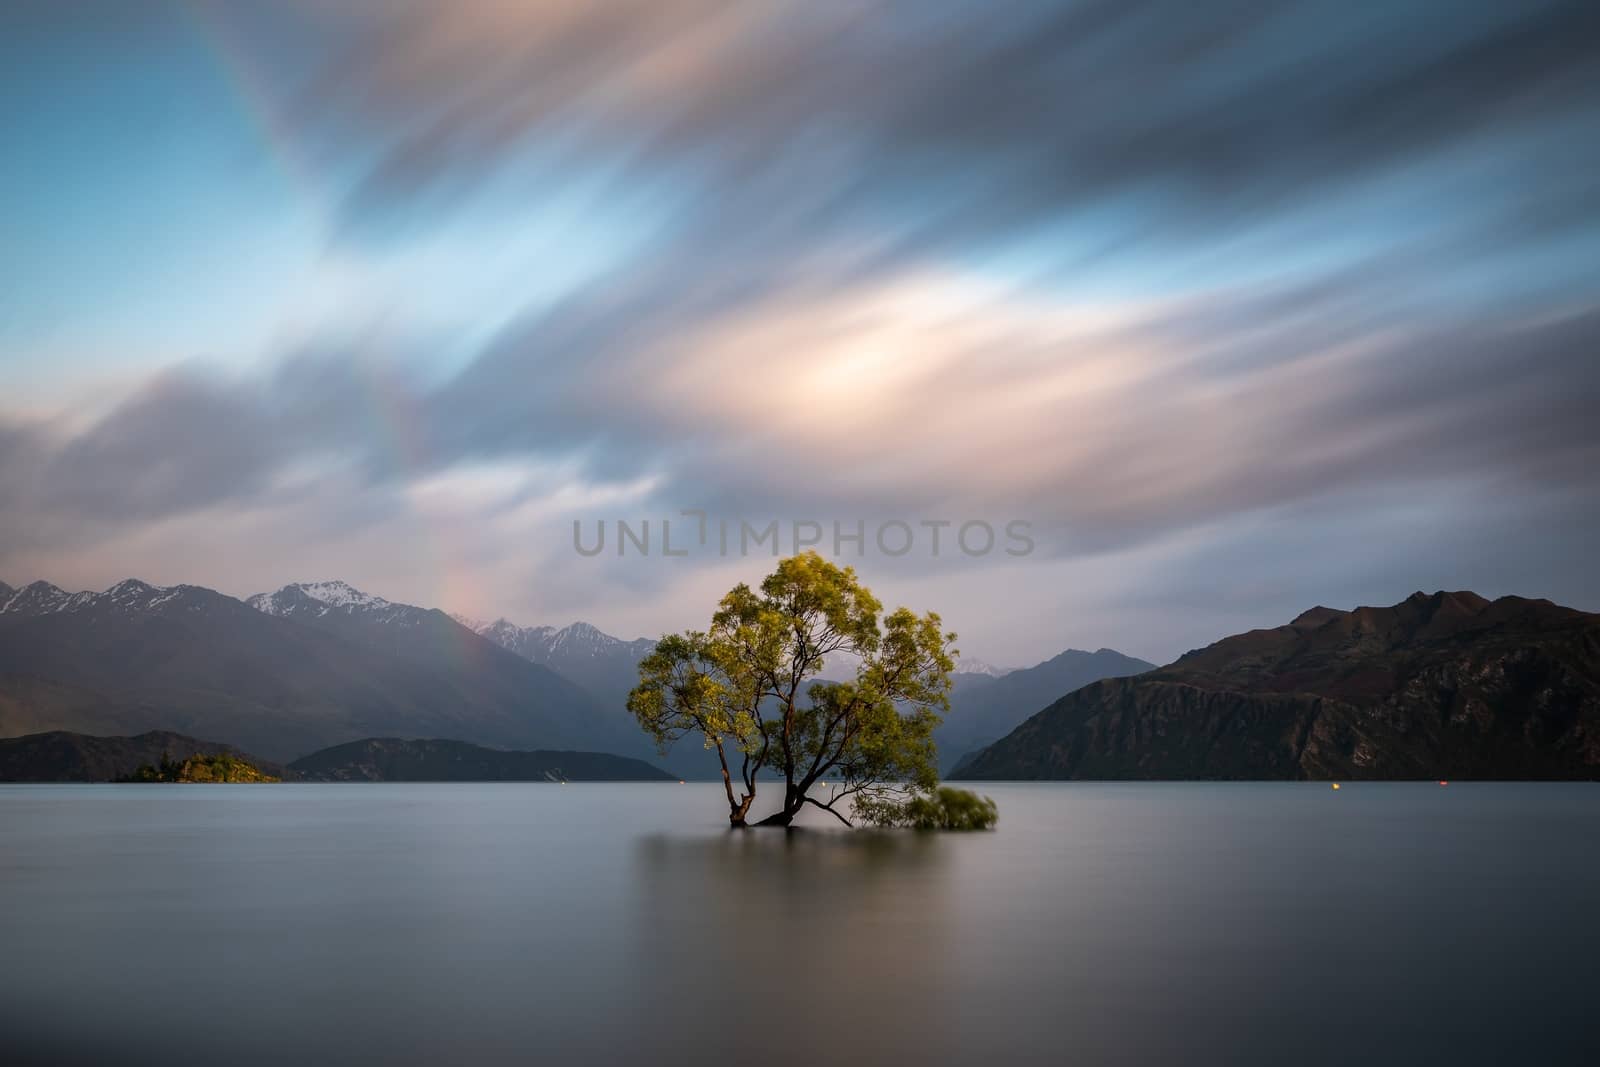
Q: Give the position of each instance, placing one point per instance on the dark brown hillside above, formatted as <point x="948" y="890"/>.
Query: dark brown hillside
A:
<point x="1443" y="686"/>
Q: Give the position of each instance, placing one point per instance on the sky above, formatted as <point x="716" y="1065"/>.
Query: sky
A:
<point x="1238" y="307"/>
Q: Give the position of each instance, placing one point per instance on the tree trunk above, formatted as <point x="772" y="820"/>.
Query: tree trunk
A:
<point x="793" y="800"/>
<point x="737" y="809"/>
<point x="782" y="817"/>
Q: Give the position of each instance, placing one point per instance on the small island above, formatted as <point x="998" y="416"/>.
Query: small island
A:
<point x="201" y="767"/>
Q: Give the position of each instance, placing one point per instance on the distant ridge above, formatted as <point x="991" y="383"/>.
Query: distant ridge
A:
<point x="1442" y="685"/>
<point x="973" y="665"/>
<point x="130" y="594"/>
<point x="606" y="666"/>
<point x="578" y="661"/>
<point x="985" y="708"/>
<point x="63" y="756"/>
<point x="390" y="759"/>
<point x="322" y="664"/>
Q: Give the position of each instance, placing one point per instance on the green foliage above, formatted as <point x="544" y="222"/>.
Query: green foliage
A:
<point x="942" y="808"/>
<point x="222" y="767"/>
<point x="748" y="688"/>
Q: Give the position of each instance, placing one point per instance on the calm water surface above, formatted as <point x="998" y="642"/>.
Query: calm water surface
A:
<point x="506" y="923"/>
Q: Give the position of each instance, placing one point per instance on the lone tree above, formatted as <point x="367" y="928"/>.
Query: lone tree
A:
<point x="746" y="687"/>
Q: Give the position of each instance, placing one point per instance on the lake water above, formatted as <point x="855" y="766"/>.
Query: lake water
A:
<point x="511" y="923"/>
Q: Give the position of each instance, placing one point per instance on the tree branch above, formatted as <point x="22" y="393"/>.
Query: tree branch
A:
<point x="828" y="808"/>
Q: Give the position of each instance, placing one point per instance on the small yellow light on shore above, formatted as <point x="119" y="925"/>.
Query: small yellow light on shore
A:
<point x="680" y="781"/>
<point x="1443" y="782"/>
<point x="1336" y="785"/>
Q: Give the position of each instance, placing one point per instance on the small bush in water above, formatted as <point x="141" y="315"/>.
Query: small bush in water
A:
<point x="945" y="808"/>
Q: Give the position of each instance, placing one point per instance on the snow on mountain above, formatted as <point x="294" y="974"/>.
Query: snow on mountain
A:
<point x="338" y="594"/>
<point x="973" y="665"/>
<point x="582" y="639"/>
<point x="36" y="598"/>
<point x="529" y="642"/>
<point x="315" y="599"/>
<point x="566" y="647"/>
<point x="541" y="644"/>
<point x="544" y="644"/>
<point x="292" y="671"/>
<point x="319" y="596"/>
<point x="606" y="667"/>
<point x="128" y="595"/>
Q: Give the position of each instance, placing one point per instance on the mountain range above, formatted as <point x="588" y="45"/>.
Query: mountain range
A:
<point x="314" y="666"/>
<point x="393" y="759"/>
<point x="606" y="667"/>
<point x="64" y="756"/>
<point x="986" y="707"/>
<point x="1448" y="685"/>
<point x="986" y="702"/>
<point x="591" y="665"/>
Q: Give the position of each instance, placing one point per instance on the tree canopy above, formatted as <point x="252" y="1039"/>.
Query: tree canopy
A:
<point x="749" y="688"/>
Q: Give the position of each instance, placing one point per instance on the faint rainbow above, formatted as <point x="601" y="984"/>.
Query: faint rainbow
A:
<point x="391" y="413"/>
<point x="257" y="104"/>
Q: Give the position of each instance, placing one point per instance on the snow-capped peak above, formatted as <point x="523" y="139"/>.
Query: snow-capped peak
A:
<point x="130" y="594"/>
<point x="973" y="665"/>
<point x="542" y="644"/>
<point x="580" y="636"/>
<point x="141" y="596"/>
<point x="36" y="598"/>
<point x="321" y="597"/>
<point x="338" y="594"/>
<point x="130" y="589"/>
